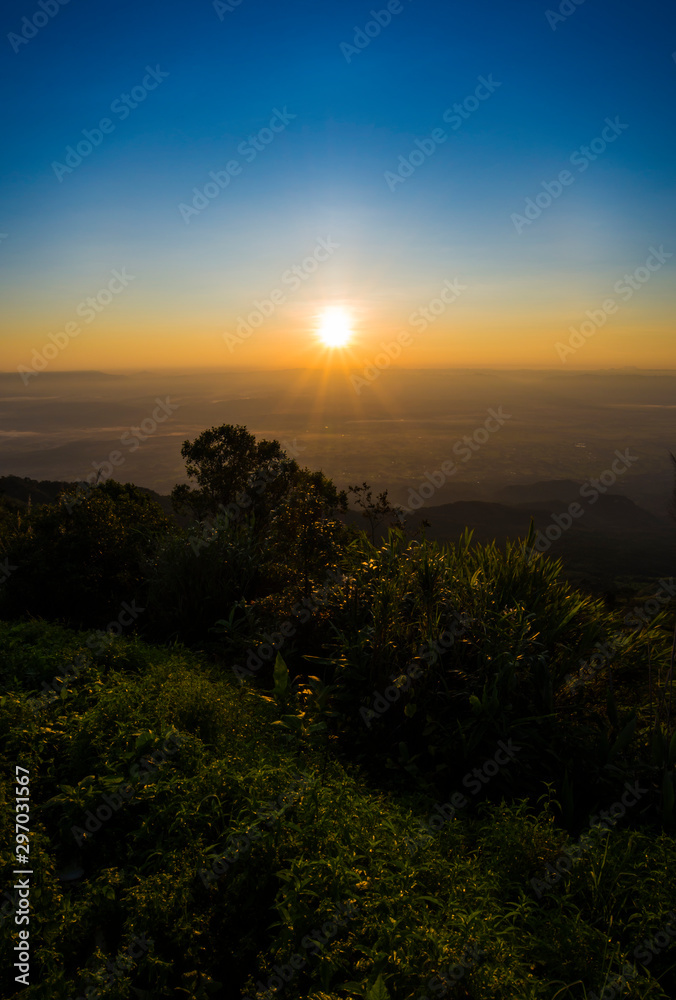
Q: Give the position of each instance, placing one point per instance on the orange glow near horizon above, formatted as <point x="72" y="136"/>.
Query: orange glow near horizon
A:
<point x="350" y="334"/>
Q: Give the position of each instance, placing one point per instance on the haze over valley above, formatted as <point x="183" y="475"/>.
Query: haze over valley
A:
<point x="524" y="440"/>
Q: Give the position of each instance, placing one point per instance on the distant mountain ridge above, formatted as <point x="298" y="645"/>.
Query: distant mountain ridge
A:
<point x="614" y="538"/>
<point x="23" y="491"/>
<point x="553" y="489"/>
<point x="67" y="374"/>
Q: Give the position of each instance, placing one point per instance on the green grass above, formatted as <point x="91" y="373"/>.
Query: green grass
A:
<point x="334" y="858"/>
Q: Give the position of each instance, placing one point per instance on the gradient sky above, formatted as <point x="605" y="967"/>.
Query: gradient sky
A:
<point x="323" y="177"/>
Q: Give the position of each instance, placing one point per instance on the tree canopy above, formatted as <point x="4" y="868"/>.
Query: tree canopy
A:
<point x="235" y="474"/>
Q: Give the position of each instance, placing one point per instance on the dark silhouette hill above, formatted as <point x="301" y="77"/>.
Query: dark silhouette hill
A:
<point x="22" y="490"/>
<point x="553" y="489"/>
<point x="614" y="541"/>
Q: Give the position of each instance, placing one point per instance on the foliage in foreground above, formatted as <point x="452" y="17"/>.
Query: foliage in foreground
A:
<point x="240" y="847"/>
<point x="405" y="769"/>
<point x="428" y="656"/>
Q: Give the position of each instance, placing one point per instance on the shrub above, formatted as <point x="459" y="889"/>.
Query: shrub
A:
<point x="79" y="559"/>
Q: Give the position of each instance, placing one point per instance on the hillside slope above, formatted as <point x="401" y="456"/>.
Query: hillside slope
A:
<point x="174" y="821"/>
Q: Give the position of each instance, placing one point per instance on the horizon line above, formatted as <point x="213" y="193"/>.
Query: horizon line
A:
<point x="205" y="370"/>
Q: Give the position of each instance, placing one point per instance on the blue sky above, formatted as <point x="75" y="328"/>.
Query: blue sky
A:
<point x="324" y="174"/>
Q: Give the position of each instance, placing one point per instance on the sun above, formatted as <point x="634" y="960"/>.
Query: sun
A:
<point x="335" y="327"/>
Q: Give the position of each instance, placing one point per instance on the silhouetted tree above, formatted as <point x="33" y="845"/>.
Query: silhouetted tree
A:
<point x="305" y="532"/>
<point x="375" y="511"/>
<point x="231" y="468"/>
<point x="238" y="475"/>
